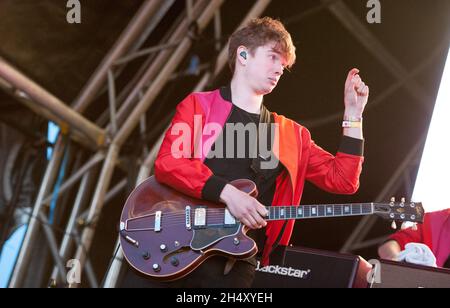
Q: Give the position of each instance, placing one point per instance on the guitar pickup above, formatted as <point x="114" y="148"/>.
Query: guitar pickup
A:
<point x="200" y="217"/>
<point x="229" y="219"/>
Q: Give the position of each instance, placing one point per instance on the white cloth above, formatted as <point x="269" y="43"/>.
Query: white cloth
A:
<point x="417" y="253"/>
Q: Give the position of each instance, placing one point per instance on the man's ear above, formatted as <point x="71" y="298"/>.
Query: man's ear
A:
<point x="242" y="55"/>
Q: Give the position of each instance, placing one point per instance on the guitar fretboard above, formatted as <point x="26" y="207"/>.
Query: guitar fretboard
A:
<point x="319" y="211"/>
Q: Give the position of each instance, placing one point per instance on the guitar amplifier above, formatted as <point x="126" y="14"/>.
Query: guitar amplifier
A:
<point x="309" y="268"/>
<point x="391" y="274"/>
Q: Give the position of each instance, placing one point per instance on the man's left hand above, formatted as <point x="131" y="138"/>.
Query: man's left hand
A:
<point x="356" y="94"/>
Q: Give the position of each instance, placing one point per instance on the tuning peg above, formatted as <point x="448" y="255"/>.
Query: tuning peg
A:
<point x="393" y="199"/>
<point x="403" y="200"/>
<point x="394" y="225"/>
<point x="414" y="226"/>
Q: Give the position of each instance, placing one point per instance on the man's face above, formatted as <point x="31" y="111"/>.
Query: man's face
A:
<point x="264" y="69"/>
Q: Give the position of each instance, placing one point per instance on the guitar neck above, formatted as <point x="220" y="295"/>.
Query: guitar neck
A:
<point x="319" y="211"/>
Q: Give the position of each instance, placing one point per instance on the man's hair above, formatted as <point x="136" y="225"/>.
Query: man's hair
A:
<point x="259" y="32"/>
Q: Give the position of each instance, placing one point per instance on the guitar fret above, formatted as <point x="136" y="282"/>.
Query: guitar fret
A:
<point x="337" y="210"/>
<point x="299" y="212"/>
<point x="318" y="211"/>
<point x="367" y="209"/>
<point x="314" y="211"/>
<point x="356" y="209"/>
<point x="306" y="211"/>
<point x="347" y="210"/>
<point x="329" y="210"/>
<point x="321" y="210"/>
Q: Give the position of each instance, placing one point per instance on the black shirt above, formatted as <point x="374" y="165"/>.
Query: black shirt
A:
<point x="247" y="166"/>
<point x="236" y="167"/>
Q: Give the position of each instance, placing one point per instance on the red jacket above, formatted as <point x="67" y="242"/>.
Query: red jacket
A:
<point x="301" y="157"/>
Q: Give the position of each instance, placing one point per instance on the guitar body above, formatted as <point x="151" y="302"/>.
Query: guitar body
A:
<point x="166" y="234"/>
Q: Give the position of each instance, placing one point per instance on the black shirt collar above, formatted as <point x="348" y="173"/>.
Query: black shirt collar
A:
<point x="265" y="116"/>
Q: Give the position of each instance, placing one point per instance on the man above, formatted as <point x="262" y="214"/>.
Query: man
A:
<point x="434" y="233"/>
<point x="258" y="55"/>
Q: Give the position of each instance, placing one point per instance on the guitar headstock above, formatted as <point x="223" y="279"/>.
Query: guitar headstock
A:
<point x="400" y="211"/>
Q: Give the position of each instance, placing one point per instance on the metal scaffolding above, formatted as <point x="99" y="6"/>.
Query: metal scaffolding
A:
<point x="126" y="110"/>
<point x="102" y="140"/>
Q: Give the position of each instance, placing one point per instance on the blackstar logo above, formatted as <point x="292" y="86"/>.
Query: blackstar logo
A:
<point x="284" y="271"/>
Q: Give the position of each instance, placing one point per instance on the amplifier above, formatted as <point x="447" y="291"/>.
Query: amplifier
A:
<point x="309" y="268"/>
<point x="390" y="274"/>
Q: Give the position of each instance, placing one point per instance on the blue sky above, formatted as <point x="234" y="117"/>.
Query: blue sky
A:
<point x="9" y="255"/>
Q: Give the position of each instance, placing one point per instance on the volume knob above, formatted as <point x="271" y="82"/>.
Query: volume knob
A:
<point x="146" y="255"/>
<point x="174" y="261"/>
<point x="156" y="267"/>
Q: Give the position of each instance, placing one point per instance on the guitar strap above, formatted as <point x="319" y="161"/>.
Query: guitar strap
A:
<point x="277" y="241"/>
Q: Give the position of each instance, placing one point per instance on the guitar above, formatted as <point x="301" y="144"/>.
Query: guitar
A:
<point x="165" y="234"/>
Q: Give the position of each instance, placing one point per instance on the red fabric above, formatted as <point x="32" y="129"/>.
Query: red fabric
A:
<point x="409" y="235"/>
<point x="303" y="159"/>
<point x="428" y="233"/>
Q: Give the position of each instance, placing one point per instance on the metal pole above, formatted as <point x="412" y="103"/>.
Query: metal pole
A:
<point x="61" y="270"/>
<point x="116" y="266"/>
<point x="164" y="75"/>
<point x="133" y="30"/>
<point x="80" y="199"/>
<point x="30" y="236"/>
<point x="112" y="101"/>
<point x="155" y="67"/>
<point x="115" y="190"/>
<point x="49" y="102"/>
<point x="97" y="204"/>
<point x="24" y="99"/>
<point x="75" y="177"/>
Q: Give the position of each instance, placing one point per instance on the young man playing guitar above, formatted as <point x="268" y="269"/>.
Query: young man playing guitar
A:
<point x="258" y="55"/>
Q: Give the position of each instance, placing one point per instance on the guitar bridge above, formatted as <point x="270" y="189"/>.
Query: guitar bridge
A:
<point x="158" y="221"/>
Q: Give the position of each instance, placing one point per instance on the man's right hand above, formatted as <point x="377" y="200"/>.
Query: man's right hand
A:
<point x="244" y="207"/>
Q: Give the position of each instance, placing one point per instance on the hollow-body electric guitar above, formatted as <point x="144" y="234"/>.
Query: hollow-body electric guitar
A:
<point x="165" y="234"/>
